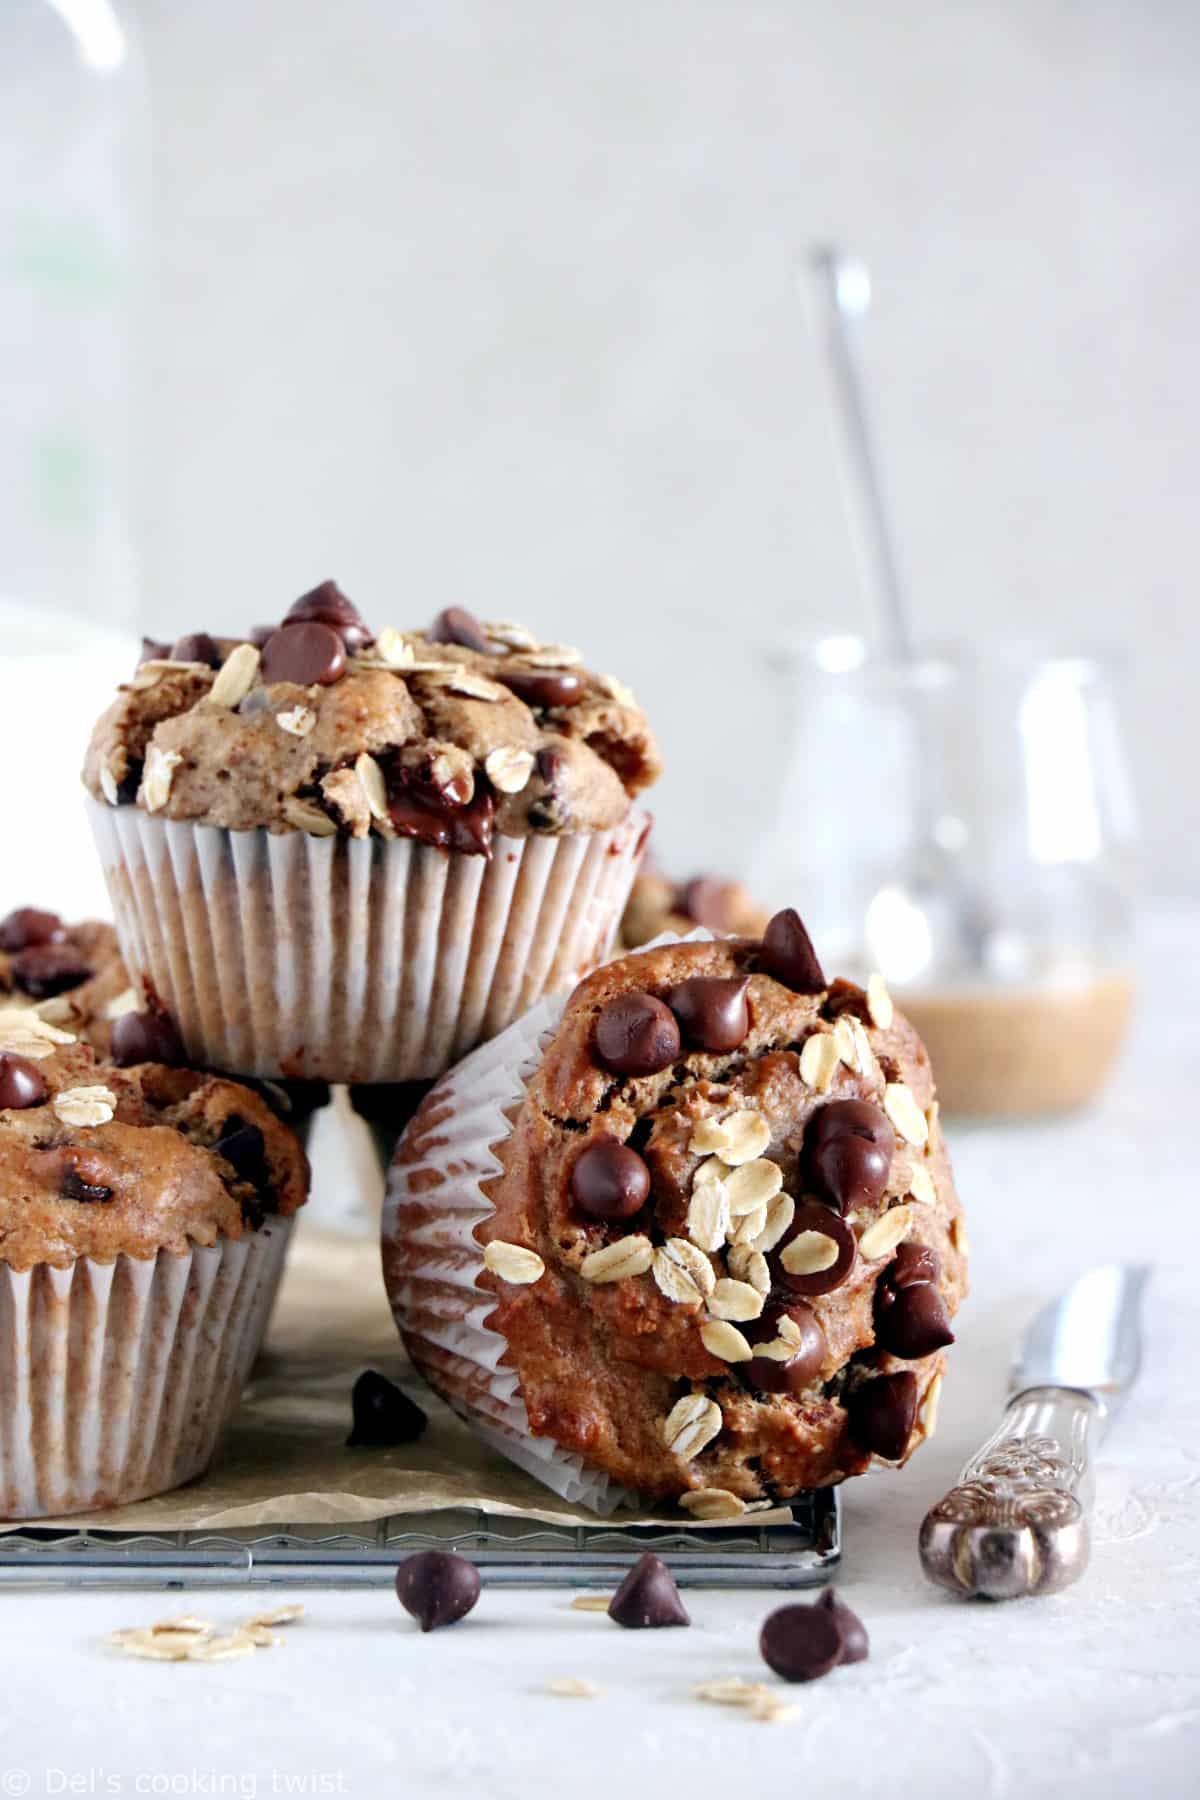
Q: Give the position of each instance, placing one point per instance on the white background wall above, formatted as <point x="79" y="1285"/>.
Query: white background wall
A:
<point x="493" y="301"/>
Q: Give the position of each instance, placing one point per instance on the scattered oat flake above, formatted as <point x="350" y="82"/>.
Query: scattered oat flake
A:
<point x="573" y="1687"/>
<point x="84" y="1105"/>
<point x="188" y="1622"/>
<point x="591" y="1603"/>
<point x="731" y="1690"/>
<point x="22" y="1019"/>
<point x="279" y="1615"/>
<point x="223" y="1649"/>
<point x="772" y="1711"/>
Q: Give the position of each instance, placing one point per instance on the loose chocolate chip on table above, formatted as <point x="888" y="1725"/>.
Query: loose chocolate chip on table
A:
<point x="856" y="1645"/>
<point x="801" y="1643"/>
<point x="197" y="647"/>
<point x="712" y="1009"/>
<point x="22" y="1083"/>
<point x="458" y="626"/>
<point x="383" y="1413"/>
<point x="542" y="687"/>
<point x="848" y="1148"/>
<point x="811" y="1217"/>
<point x="28" y="926"/>
<point x="706" y="900"/>
<point x="437" y="1587"/>
<point x="911" y="1320"/>
<point x="48" y="969"/>
<point x="637" y="1035"/>
<point x="768" y="1374"/>
<point x="303" y="654"/>
<point x="788" y="955"/>
<point x="881" y="1414"/>
<point x="609" y="1180"/>
<point x="145" y="1037"/>
<point x="648" y="1597"/>
<point x="327" y="605"/>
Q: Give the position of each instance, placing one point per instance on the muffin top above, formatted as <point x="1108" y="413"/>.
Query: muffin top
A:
<point x="102" y="1161"/>
<point x="657" y="904"/>
<point x="445" y="735"/>
<point x="71" y="975"/>
<point x="745" y="1237"/>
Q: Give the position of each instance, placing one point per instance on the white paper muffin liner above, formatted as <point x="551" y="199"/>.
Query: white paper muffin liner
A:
<point x="431" y="1258"/>
<point x="354" y="960"/>
<point x="118" y="1378"/>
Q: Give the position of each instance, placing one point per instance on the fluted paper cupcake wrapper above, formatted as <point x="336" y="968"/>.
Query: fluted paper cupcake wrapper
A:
<point x="354" y="960"/>
<point x="118" y="1378"/>
<point x="432" y="1259"/>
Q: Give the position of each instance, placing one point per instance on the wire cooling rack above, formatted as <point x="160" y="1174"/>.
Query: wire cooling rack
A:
<point x="509" y="1552"/>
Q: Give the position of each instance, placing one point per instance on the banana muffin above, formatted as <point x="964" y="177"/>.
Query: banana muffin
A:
<point x="707" y="1235"/>
<point x="144" y="1216"/>
<point x="351" y="856"/>
<point x="70" y="974"/>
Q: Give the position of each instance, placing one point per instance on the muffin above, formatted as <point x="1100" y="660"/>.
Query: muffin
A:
<point x="351" y="858"/>
<point x="144" y="1217"/>
<point x="657" y="905"/>
<point x="694" y="1235"/>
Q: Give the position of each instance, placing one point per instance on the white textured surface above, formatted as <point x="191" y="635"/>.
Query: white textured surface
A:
<point x="1095" y="1692"/>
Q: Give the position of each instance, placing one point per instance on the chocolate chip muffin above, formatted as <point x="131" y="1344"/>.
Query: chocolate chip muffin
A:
<point x="657" y="905"/>
<point x="709" y="1230"/>
<point x="351" y="856"/>
<point x="144" y="1216"/>
<point x="70" y="974"/>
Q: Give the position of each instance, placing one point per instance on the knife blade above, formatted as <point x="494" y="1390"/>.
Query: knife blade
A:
<point x="1017" y="1522"/>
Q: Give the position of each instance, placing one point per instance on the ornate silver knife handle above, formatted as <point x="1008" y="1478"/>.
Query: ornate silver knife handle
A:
<point x="1017" y="1523"/>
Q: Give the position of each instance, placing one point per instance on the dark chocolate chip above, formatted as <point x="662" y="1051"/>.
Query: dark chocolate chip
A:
<point x="648" y="1597"/>
<point x="197" y="647"/>
<point x="303" y="654"/>
<point x="74" y="1187"/>
<point x="802" y="1368"/>
<point x="28" y="926"/>
<point x="327" y="605"/>
<point x="383" y="1413"/>
<point x="848" y="1150"/>
<point x="437" y="1587"/>
<point x="856" y="1645"/>
<point x="706" y="900"/>
<point x="788" y="955"/>
<point x="153" y="651"/>
<point x="145" y="1037"/>
<point x="77" y="1174"/>
<point x="913" y="1263"/>
<point x="881" y="1414"/>
<point x="22" y="1083"/>
<point x="911" y="1321"/>
<point x="609" y="1180"/>
<point x="446" y="823"/>
<point x="713" y="1010"/>
<point x="243" y="1147"/>
<point x="260" y="633"/>
<point x="543" y="687"/>
<point x="637" y="1035"/>
<point x="801" y="1643"/>
<point x="810" y="1215"/>
<point x="48" y="969"/>
<point x="458" y="626"/>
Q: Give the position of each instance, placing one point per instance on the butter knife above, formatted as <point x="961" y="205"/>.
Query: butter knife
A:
<point x="1017" y="1523"/>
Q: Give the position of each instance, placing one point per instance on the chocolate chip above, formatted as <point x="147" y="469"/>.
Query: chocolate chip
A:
<point x="260" y="633"/>
<point x="28" y="926"/>
<point x="22" y="1083"/>
<point x="801" y="1643"/>
<point x="153" y="651"/>
<point x="445" y="823"/>
<point x="327" y="605"/>
<point x="303" y="654"/>
<point x="74" y="1187"/>
<point x="788" y="955"/>
<point x="881" y="1414"/>
<point x="543" y="687"/>
<point x="648" y="1597"/>
<point x="848" y="1150"/>
<point x="383" y="1413"/>
<point x="197" y="647"/>
<point x="609" y="1180"/>
<point x="48" y="969"/>
<point x="810" y="1215"/>
<point x="856" y="1645"/>
<point x="712" y="1009"/>
<point x="243" y="1147"/>
<point x="437" y="1587"/>
<point x="910" y="1320"/>
<point x="637" y="1035"/>
<point x="75" y="1173"/>
<point x="145" y="1037"/>
<point x="802" y="1368"/>
<point x="458" y="626"/>
<point x="706" y="900"/>
<point x="913" y="1263"/>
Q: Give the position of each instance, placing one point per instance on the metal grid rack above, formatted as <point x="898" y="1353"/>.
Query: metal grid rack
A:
<point x="509" y="1552"/>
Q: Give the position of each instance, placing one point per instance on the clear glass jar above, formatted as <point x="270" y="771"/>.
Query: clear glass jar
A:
<point x="965" y="824"/>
